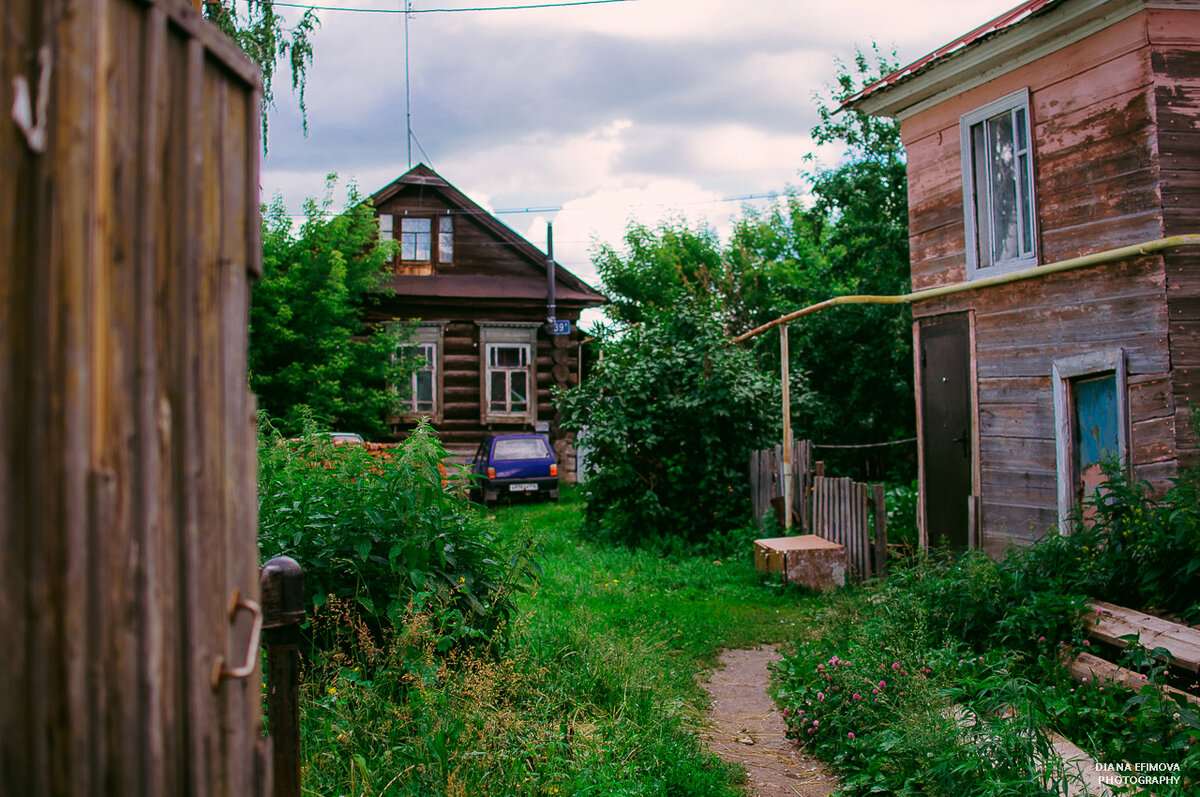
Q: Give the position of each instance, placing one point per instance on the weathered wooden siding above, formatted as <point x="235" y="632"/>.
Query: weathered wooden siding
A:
<point x="127" y="506"/>
<point x="1176" y="60"/>
<point x="1101" y="110"/>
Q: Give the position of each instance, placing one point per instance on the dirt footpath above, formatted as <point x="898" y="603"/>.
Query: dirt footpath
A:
<point x="748" y="730"/>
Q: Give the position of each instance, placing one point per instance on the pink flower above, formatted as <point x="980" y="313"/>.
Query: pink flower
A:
<point x="895" y="665"/>
<point x="850" y="734"/>
<point x="874" y="691"/>
<point x="857" y="696"/>
<point x="882" y="684"/>
<point x="821" y="696"/>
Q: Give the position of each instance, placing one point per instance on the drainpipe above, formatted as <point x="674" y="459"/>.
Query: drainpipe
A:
<point x="550" y="308"/>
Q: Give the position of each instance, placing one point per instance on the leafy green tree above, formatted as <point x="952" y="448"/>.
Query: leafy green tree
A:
<point x="255" y="27"/>
<point x="309" y="345"/>
<point x="845" y="232"/>
<point x="669" y="416"/>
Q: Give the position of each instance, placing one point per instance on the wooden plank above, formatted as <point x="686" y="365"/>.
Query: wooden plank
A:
<point x="1108" y="622"/>
<point x="1152" y="440"/>
<point x="1086" y="668"/>
<point x="880" y="552"/>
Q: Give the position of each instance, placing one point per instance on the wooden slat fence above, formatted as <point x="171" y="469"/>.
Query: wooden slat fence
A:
<point x="838" y="509"/>
<point x="766" y="481"/>
<point x="841" y="513"/>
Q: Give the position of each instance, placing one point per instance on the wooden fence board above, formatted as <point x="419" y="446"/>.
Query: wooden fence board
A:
<point x="127" y="475"/>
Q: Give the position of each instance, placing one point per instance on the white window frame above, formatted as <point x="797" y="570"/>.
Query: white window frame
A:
<point x="1063" y="373"/>
<point x="1027" y="257"/>
<point x="502" y="335"/>
<point x="429" y="335"/>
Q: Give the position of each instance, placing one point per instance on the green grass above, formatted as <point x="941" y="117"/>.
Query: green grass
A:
<point x="596" y="694"/>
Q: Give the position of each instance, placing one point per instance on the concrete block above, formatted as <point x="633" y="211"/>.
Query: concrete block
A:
<point x="810" y="560"/>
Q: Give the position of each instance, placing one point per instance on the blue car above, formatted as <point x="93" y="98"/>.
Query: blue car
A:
<point x="515" y="466"/>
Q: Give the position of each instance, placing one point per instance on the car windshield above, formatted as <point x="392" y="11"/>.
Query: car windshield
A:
<point x="521" y="448"/>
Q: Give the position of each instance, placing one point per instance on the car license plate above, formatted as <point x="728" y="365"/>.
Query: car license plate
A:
<point x="522" y="487"/>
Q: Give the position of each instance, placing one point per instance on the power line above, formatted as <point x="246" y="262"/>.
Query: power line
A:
<point x="453" y="10"/>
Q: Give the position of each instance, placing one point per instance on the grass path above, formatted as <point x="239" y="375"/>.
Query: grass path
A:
<point x="623" y="636"/>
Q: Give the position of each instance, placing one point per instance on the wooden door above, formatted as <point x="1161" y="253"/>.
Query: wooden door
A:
<point x="946" y="433"/>
<point x="129" y="234"/>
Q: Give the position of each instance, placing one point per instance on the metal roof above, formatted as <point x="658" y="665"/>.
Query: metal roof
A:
<point x="1005" y="20"/>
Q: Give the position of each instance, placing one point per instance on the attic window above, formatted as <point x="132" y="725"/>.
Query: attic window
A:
<point x="998" y="196"/>
<point x="415" y="239"/>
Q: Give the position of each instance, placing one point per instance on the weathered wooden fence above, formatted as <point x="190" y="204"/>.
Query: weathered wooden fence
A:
<point x="766" y="482"/>
<point x="129" y="233"/>
<point x="838" y="509"/>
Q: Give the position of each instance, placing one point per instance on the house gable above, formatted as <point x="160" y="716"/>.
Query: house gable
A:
<point x="489" y="260"/>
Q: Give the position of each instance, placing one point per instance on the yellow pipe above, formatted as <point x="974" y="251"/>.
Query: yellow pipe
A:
<point x="1095" y="259"/>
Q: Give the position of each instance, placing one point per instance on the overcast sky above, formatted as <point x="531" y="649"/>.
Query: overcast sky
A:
<point x="592" y="115"/>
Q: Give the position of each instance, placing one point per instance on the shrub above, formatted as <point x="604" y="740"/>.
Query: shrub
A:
<point x="384" y="536"/>
<point x="672" y="413"/>
<point x="873" y="697"/>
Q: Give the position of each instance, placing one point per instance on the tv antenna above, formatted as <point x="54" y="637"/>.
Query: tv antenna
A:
<point x="407" y="88"/>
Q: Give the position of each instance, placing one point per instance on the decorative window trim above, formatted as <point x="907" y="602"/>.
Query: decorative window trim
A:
<point x="419" y="251"/>
<point x="1063" y="373"/>
<point x="427" y="333"/>
<point x="496" y="334"/>
<point x="1027" y="211"/>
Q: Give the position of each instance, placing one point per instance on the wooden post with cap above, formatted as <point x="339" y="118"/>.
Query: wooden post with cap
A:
<point x="282" y="583"/>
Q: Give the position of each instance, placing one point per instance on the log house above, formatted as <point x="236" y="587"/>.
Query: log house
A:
<point x="480" y="294"/>
<point x="1060" y="129"/>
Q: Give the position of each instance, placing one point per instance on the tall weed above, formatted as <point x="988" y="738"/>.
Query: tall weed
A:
<point x="383" y="537"/>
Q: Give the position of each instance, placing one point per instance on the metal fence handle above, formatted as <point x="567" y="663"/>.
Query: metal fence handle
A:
<point x="220" y="671"/>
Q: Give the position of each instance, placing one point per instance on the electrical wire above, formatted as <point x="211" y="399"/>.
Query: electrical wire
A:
<point x="453" y="10"/>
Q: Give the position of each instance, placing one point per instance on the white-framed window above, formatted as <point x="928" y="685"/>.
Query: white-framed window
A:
<point x="1091" y="423"/>
<point x="425" y="382"/>
<point x="508" y="378"/>
<point x="415" y="238"/>
<point x="508" y="372"/>
<point x="998" y="188"/>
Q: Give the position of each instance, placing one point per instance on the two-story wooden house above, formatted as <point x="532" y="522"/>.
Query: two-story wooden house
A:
<point x="1063" y="129"/>
<point x="481" y="295"/>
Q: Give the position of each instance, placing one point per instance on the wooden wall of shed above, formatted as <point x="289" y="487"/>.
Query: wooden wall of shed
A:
<point x="1175" y="36"/>
<point x="1095" y="108"/>
<point x="127" y="507"/>
<point x="1095" y="144"/>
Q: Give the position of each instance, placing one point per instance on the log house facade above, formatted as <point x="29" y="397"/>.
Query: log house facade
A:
<point x="1062" y="128"/>
<point x="479" y="293"/>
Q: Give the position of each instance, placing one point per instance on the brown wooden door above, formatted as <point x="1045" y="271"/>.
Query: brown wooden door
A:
<point x="945" y="373"/>
<point x="129" y="235"/>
